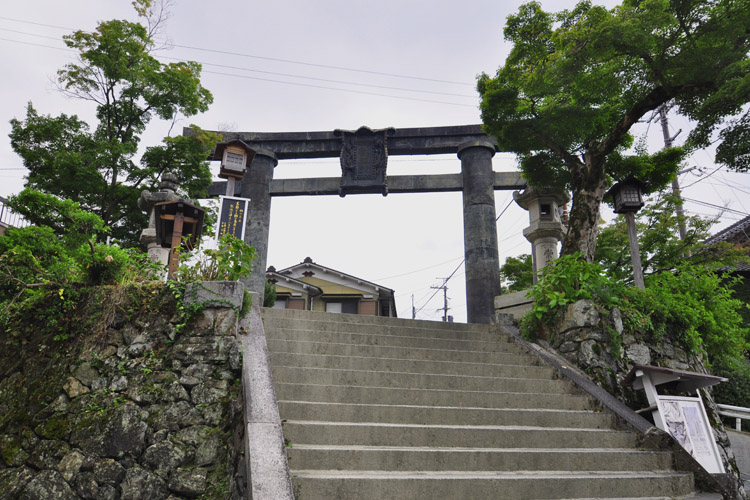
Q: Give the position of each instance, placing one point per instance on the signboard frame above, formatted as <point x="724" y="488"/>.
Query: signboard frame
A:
<point x="685" y="419"/>
<point x="228" y="221"/>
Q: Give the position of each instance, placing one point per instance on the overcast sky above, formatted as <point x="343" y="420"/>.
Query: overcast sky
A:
<point x="293" y="66"/>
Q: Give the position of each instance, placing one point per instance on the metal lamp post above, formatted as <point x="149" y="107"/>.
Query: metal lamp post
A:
<point x="628" y="199"/>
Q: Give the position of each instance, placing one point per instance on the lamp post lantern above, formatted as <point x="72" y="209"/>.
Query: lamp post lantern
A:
<point x="628" y="199"/>
<point x="235" y="156"/>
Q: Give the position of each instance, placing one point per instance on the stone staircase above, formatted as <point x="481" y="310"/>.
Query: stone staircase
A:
<point x="382" y="408"/>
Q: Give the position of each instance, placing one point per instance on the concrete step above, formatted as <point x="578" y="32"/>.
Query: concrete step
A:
<point x="444" y="415"/>
<point x="358" y="319"/>
<point x="378" y="351"/>
<point x="388" y="328"/>
<point x="332" y="376"/>
<point x="464" y="436"/>
<point x="310" y="335"/>
<point x="449" y="485"/>
<point x="330" y="457"/>
<point x="377" y="408"/>
<point x="411" y="365"/>
<point x="430" y="397"/>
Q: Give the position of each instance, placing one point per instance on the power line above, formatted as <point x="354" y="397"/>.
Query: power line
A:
<point x="298" y="84"/>
<point x="461" y="264"/>
<point x="704" y="177"/>
<point x="417" y="271"/>
<point x="340" y="90"/>
<point x="266" y="58"/>
<point x="711" y="205"/>
<point x="322" y="79"/>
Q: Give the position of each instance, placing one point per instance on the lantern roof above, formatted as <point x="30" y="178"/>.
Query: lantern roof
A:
<point x="220" y="147"/>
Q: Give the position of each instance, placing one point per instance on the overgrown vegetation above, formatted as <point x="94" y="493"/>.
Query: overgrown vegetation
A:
<point x="47" y="270"/>
<point x="692" y="304"/>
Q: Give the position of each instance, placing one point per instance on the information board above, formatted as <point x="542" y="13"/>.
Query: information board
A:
<point x="232" y="213"/>
<point x="685" y="419"/>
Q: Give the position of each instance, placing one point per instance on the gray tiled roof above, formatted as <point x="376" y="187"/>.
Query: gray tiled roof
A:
<point x="738" y="232"/>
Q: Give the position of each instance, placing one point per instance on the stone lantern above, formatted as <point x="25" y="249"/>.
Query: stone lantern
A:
<point x="545" y="229"/>
<point x="146" y="202"/>
<point x="627" y="196"/>
<point x="179" y="224"/>
<point x="235" y="156"/>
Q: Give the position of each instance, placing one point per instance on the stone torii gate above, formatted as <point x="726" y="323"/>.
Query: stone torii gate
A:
<point x="363" y="156"/>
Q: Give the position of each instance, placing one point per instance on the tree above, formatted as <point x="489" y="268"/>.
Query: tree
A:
<point x="117" y="72"/>
<point x="575" y="83"/>
<point x="517" y="273"/>
<point x="661" y="248"/>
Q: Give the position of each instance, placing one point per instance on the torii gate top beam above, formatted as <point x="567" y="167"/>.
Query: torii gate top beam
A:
<point x="405" y="141"/>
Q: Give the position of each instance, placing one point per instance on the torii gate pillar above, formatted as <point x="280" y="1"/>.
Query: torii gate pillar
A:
<point x="480" y="230"/>
<point x="256" y="185"/>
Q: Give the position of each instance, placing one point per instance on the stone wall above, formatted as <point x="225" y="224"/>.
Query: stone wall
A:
<point x="145" y="409"/>
<point x="595" y="342"/>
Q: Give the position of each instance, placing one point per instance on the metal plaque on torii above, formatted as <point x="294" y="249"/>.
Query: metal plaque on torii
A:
<point x="364" y="159"/>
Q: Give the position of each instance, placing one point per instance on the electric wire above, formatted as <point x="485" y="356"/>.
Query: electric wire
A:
<point x="712" y="205"/>
<point x="298" y="84"/>
<point x="289" y="61"/>
<point x="445" y="280"/>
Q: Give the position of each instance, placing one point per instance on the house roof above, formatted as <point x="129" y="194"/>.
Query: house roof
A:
<point x="739" y="232"/>
<point x="291" y="283"/>
<point x="308" y="265"/>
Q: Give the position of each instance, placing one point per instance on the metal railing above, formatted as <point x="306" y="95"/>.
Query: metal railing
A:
<point x="10" y="218"/>
<point x="737" y="412"/>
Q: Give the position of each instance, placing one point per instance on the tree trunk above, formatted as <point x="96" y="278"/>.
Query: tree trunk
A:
<point x="589" y="186"/>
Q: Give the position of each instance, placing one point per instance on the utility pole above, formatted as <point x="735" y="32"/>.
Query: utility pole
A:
<point x="663" y="109"/>
<point x="444" y="288"/>
<point x="413" y="309"/>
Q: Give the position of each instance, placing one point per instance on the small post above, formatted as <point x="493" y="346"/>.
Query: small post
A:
<point x="174" y="259"/>
<point x="628" y="199"/>
<point x="635" y="251"/>
<point x="230" y="186"/>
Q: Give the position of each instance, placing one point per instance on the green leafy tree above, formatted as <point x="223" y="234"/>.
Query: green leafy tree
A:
<point x="575" y="83"/>
<point x="95" y="166"/>
<point x="661" y="247"/>
<point x="517" y="273"/>
<point x="269" y="295"/>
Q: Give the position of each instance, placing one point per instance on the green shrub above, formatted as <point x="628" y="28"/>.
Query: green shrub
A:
<point x="736" y="391"/>
<point x="231" y="261"/>
<point x="564" y="281"/>
<point x="693" y="305"/>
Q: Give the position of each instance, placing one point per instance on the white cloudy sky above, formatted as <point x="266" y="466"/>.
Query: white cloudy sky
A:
<point x="270" y="66"/>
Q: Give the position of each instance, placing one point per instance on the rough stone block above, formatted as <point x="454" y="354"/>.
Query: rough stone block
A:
<point x="580" y="314"/>
<point x="216" y="294"/>
<point x="639" y="354"/>
<point x="188" y="482"/>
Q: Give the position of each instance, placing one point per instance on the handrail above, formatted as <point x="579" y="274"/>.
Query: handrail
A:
<point x="10" y="218"/>
<point x="738" y="412"/>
